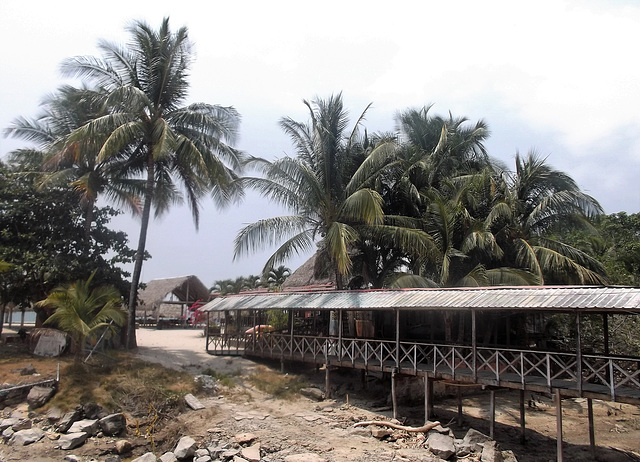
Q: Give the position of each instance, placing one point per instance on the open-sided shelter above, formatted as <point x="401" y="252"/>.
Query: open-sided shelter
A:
<point x="168" y="299"/>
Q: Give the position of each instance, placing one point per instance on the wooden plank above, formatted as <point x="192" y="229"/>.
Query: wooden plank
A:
<point x="558" y="399"/>
<point x="592" y="435"/>
<point x="492" y="414"/>
<point x="522" y="419"/>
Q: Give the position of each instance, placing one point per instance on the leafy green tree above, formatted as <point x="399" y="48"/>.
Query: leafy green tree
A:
<point x="81" y="311"/>
<point x="42" y="236"/>
<point x="172" y="147"/>
<point x="327" y="187"/>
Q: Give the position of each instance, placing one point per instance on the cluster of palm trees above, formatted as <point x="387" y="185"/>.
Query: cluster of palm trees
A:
<point x="426" y="206"/>
<point x="423" y="206"/>
<point x="272" y="280"/>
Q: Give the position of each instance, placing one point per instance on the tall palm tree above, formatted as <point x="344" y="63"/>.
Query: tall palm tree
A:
<point x="534" y="205"/>
<point x="178" y="150"/>
<point x="82" y="311"/>
<point x="73" y="164"/>
<point x="277" y="276"/>
<point x="327" y="187"/>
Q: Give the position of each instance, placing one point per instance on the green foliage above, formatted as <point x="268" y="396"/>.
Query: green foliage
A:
<point x="278" y="319"/>
<point x="42" y="236"/>
<point x="82" y="311"/>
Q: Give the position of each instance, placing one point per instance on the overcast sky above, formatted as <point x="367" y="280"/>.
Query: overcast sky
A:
<point x="560" y="77"/>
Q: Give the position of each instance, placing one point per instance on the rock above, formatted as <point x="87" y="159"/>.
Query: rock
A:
<point x="244" y="438"/>
<point x="71" y="458"/>
<point x="491" y="453"/>
<point x="206" y="458"/>
<point x="72" y="440"/>
<point x="193" y="402"/>
<point x="359" y="431"/>
<point x="229" y="454"/>
<point x="123" y="446"/>
<point x="380" y="433"/>
<point x="67" y="420"/>
<point x="27" y="370"/>
<point x="252" y="453"/>
<point x="441" y="445"/>
<point x="509" y="456"/>
<point x="206" y="383"/>
<point x="168" y="457"/>
<point x="185" y="448"/>
<point x="441" y="429"/>
<point x="24" y="437"/>
<point x="9" y="423"/>
<point x="7" y="433"/>
<point x="25" y="424"/>
<point x="148" y="457"/>
<point x="313" y="393"/>
<point x="54" y="414"/>
<point x="89" y="426"/>
<point x="113" y="424"/>
<point x="93" y="411"/>
<point x="474" y="440"/>
<point x="39" y="396"/>
<point x="112" y="458"/>
<point x="215" y="451"/>
<point x="239" y="459"/>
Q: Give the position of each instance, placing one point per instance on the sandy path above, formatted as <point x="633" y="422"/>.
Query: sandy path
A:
<point x="184" y="349"/>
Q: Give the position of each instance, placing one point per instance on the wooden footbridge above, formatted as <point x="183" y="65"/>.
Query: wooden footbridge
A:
<point x="407" y="328"/>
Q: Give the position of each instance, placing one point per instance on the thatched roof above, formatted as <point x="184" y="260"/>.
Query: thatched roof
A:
<point x="187" y="289"/>
<point x="305" y="276"/>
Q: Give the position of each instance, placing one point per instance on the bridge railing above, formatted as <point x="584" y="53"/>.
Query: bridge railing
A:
<point x="610" y="374"/>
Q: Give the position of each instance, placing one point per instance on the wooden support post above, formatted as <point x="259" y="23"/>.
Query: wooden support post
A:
<point x="207" y="331"/>
<point x="474" y="342"/>
<point x="592" y="435"/>
<point x="578" y="354"/>
<point x="293" y="316"/>
<point x="327" y="382"/>
<point x="492" y="414"/>
<point x="427" y="399"/>
<point x="363" y="378"/>
<point x="394" y="398"/>
<point x="558" y="399"/>
<point x="605" y="332"/>
<point x="255" y="333"/>
<point x="522" y="418"/>
<point x="340" y="321"/>
<point x="397" y="339"/>
<point x="459" y="419"/>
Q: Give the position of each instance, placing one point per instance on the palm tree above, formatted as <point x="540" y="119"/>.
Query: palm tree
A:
<point x="73" y="164"/>
<point x="172" y="147"/>
<point x="327" y="187"/>
<point x="278" y="275"/>
<point x="81" y="311"/>
<point x="534" y="205"/>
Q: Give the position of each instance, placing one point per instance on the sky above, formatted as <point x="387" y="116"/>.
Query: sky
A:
<point x="558" y="77"/>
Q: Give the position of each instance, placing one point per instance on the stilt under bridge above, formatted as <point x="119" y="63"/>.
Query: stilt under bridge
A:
<point x="500" y="339"/>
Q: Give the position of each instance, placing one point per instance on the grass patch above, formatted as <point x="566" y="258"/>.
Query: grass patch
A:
<point x="277" y="384"/>
<point x="123" y="383"/>
<point x="225" y="380"/>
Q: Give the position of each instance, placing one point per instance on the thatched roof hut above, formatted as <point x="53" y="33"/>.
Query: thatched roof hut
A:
<point x="305" y="276"/>
<point x="168" y="298"/>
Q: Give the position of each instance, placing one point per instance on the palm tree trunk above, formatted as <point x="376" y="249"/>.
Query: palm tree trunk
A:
<point x="88" y="219"/>
<point x="142" y="242"/>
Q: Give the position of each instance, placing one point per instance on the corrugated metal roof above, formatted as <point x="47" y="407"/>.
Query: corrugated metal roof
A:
<point x="547" y="298"/>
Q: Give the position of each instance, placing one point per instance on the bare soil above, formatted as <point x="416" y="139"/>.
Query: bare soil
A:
<point x="297" y="425"/>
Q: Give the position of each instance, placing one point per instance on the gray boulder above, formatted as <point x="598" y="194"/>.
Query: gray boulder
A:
<point x="251" y="453"/>
<point x="113" y="424"/>
<point x="67" y="420"/>
<point x="168" y="457"/>
<point x="123" y="446"/>
<point x="185" y="448"/>
<point x="474" y="440"/>
<point x="89" y="426"/>
<point x="313" y="393"/>
<point x="39" y="396"/>
<point x="193" y="402"/>
<point x="491" y="453"/>
<point x="24" y="437"/>
<point x="441" y="445"/>
<point x="9" y="423"/>
<point x="148" y="457"/>
<point x="72" y="440"/>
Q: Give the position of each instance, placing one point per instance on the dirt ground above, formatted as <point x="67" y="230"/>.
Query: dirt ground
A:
<point x="299" y="425"/>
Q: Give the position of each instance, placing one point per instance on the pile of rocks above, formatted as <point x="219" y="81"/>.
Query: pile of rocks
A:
<point x="244" y="447"/>
<point x="70" y="429"/>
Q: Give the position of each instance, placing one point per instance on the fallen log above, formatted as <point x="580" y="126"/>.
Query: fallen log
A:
<point x="425" y="428"/>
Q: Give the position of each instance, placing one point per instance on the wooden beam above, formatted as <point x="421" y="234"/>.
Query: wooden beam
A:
<point x="522" y="419"/>
<point x="492" y="414"/>
<point x="474" y="344"/>
<point x="394" y="398"/>
<point x="327" y="382"/>
<point x="605" y="332"/>
<point x="397" y="338"/>
<point x="579" y="353"/>
<point x="427" y="399"/>
<point x="558" y="399"/>
<point x="592" y="434"/>
<point x="459" y="418"/>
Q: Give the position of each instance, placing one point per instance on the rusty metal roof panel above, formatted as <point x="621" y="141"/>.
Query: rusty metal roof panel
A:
<point x="616" y="299"/>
